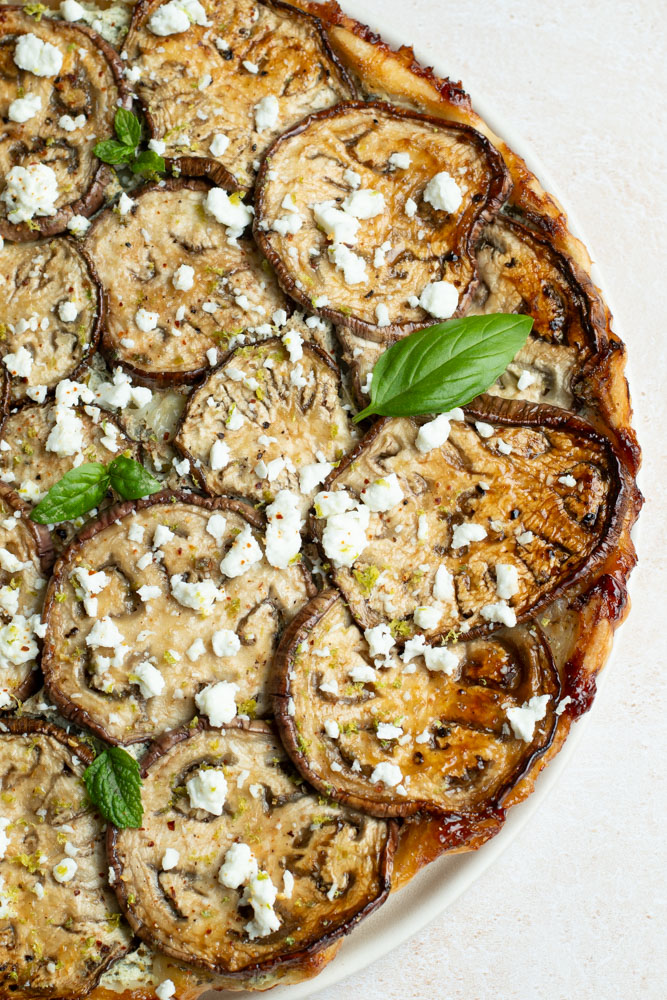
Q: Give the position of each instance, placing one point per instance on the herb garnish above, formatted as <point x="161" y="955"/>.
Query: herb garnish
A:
<point x="124" y="149"/>
<point x="82" y="488"/>
<point x="113" y="784"/>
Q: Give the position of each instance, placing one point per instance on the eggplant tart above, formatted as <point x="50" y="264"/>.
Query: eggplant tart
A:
<point x="331" y="650"/>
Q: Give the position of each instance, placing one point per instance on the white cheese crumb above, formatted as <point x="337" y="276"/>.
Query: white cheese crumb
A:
<point x="71" y="10"/>
<point x="36" y="56"/>
<point x="19" y="364"/>
<point x="149" y="679"/>
<point x="207" y="790"/>
<point x="401" y="161"/>
<point x="344" y="536"/>
<point x="217" y="702"/>
<point x="176" y="16"/>
<point x="484" y="430"/>
<point x="200" y="595"/>
<point x="243" y="554"/>
<point x="440" y="658"/>
<point x="24" y="108"/>
<point x="382" y="314"/>
<point x="78" y="225"/>
<point x="312" y="474"/>
<point x="339" y="226"/>
<point x="427" y="617"/>
<point x="165" y="990"/>
<point x="233" y="214"/>
<point x="219" y="455"/>
<point x="332" y="729"/>
<point x="350" y="264"/>
<point x="443" y="192"/>
<point x="184" y="278"/>
<point x="389" y="774"/>
<point x="364" y="204"/>
<point x="507" y="580"/>
<point x="225" y="642"/>
<point x="145" y="320"/>
<point x="216" y="527"/>
<point x="352" y="178"/>
<point x="434" y="433"/>
<point x="525" y="379"/>
<point x="499" y="612"/>
<point x="569" y="481"/>
<point x="30" y="191"/>
<point x="283" y="531"/>
<point x="440" y="299"/>
<point x="386" y="731"/>
<point x="219" y="144"/>
<point x="65" y="870"/>
<point x="266" y="113"/>
<point x="383" y="494"/>
<point x="238" y="867"/>
<point x="523" y="719"/>
<point x="170" y="859"/>
<point x="466" y="533"/>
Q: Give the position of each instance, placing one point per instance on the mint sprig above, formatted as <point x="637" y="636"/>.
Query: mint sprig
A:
<point x="123" y="149"/>
<point x="83" y="488"/>
<point x="113" y="783"/>
<point x="443" y="366"/>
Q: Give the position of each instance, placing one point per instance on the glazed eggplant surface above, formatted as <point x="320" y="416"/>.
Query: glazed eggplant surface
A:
<point x="218" y="94"/>
<point x="261" y="423"/>
<point x="186" y="288"/>
<point x="60" y="924"/>
<point x="460" y="536"/>
<point x="52" y="311"/>
<point x="449" y="729"/>
<point x="61" y="85"/>
<point x="256" y="874"/>
<point x="26" y="556"/>
<point x="158" y="600"/>
<point x="369" y="215"/>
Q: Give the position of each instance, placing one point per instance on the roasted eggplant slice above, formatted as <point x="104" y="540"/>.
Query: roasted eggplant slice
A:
<point x="219" y="93"/>
<point x="52" y="311"/>
<point x="448" y="730"/>
<point x="262" y="422"/>
<point x="60" y="87"/>
<point x="26" y="557"/>
<point x="60" y="926"/>
<point x="186" y="288"/>
<point x="458" y="526"/>
<point x="369" y="214"/>
<point x="156" y="601"/>
<point x="39" y="444"/>
<point x="238" y="866"/>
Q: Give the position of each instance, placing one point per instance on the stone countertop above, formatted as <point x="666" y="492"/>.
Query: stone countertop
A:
<point x="575" y="907"/>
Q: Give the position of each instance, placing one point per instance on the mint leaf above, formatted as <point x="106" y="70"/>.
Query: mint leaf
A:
<point x="113" y="784"/>
<point x="77" y="492"/>
<point x="131" y="480"/>
<point x="127" y="127"/>
<point x="110" y="151"/>
<point x="446" y="365"/>
<point x="147" y="162"/>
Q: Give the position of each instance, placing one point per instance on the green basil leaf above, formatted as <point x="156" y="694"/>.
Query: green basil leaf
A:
<point x="113" y="784"/>
<point x="77" y="492"/>
<point x="131" y="480"/>
<point x="147" y="162"/>
<point x="110" y="151"/>
<point x="127" y="127"/>
<point x="446" y="365"/>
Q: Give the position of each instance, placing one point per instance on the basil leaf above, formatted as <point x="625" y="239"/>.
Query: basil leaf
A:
<point x="113" y="784"/>
<point x="78" y="491"/>
<point x="131" y="480"/>
<point x="110" y="151"/>
<point x="127" y="127"/>
<point x="446" y="365"/>
<point x="147" y="162"/>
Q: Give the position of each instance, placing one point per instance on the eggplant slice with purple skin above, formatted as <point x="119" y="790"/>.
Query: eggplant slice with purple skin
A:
<point x="519" y="503"/>
<point x="398" y="229"/>
<point x="185" y="288"/>
<point x="394" y="738"/>
<point x="289" y="426"/>
<point x="129" y="665"/>
<point x="327" y="865"/>
<point x="77" y="105"/>
<point x="52" y="309"/>
<point x="26" y="557"/>
<point x="60" y="925"/>
<point x="218" y="94"/>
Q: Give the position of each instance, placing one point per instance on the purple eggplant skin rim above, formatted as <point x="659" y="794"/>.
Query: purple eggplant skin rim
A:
<point x="161" y="746"/>
<point x="623" y="508"/>
<point x="93" y="197"/>
<point x="203" y="166"/>
<point x="499" y="189"/>
<point x="194" y="465"/>
<point x="295" y="633"/>
<point x="68" y="709"/>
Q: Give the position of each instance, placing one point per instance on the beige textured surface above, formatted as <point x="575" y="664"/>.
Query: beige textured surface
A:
<point x="576" y="906"/>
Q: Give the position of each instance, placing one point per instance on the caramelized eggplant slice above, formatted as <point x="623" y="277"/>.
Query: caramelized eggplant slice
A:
<point x="456" y="528"/>
<point x="52" y="311"/>
<point x="262" y="423"/>
<point x="218" y="94"/>
<point x="60" y="926"/>
<point x="26" y="557"/>
<point x="182" y="598"/>
<point x="369" y="215"/>
<point x="185" y="289"/>
<point x="433" y="734"/>
<point x="190" y="881"/>
<point x="39" y="444"/>
<point x="61" y="100"/>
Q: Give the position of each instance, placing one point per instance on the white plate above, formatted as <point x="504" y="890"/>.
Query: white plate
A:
<point x="441" y="883"/>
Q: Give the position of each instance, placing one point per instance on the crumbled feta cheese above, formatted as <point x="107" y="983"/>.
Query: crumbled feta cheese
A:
<point x="427" y="617"/>
<point x="19" y="364"/>
<point x="352" y="266"/>
<point x="217" y="702"/>
<point x="525" y="379"/>
<point x="435" y="433"/>
<point x="383" y="494"/>
<point x="401" y="161"/>
<point x="69" y="124"/>
<point x="389" y="774"/>
<point x="200" y="595"/>
<point x="499" y="612"/>
<point x="464" y="534"/>
<point x="176" y="16"/>
<point x="238" y="867"/>
<point x="344" y="536"/>
<point x="184" y="278"/>
<point x="410" y="208"/>
<point x="4" y="839"/>
<point x="147" y="593"/>
<point x="68" y="311"/>
<point x="65" y="870"/>
<point x="219" y="455"/>
<point x="484" y="430"/>
<point x="250" y="66"/>
<point x="523" y="719"/>
<point x="261" y="894"/>
<point x="312" y="474"/>
<point x="165" y="990"/>
<point x="36" y="393"/>
<point x="293" y="344"/>
<point x="443" y="192"/>
<point x="525" y="538"/>
<point x="332" y="729"/>
<point x="149" y="679"/>
<point x="145" y="320"/>
<point x="440" y="299"/>
<point x="24" y="108"/>
<point x="132" y="74"/>
<point x="243" y="554"/>
<point x="443" y="586"/>
<point x="207" y="789"/>
<point x="71" y="10"/>
<point x="225" y="642"/>
<point x="266" y="113"/>
<point x="283" y="531"/>
<point x="157" y="146"/>
<point x="9" y="599"/>
<point x="30" y="191"/>
<point x="78" y="225"/>
<point x="386" y="731"/>
<point x="327" y="504"/>
<point x="416" y="646"/>
<point x="36" y="56"/>
<point x="440" y="658"/>
<point x="503" y="447"/>
<point x="219" y="144"/>
<point x="339" y="226"/>
<point x="382" y="314"/>
<point x="380" y="640"/>
<point x="364" y="204"/>
<point x="104" y="633"/>
<point x="569" y="481"/>
<point x="66" y="435"/>
<point x="229" y="212"/>
<point x="170" y="859"/>
<point x="216" y="526"/>
<point x="16" y="641"/>
<point x="507" y="580"/>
